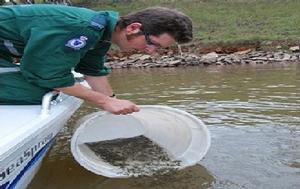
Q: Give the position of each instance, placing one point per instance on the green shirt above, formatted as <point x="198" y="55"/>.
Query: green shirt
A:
<point x="52" y="40"/>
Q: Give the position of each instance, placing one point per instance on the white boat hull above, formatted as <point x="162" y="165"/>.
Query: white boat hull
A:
<point x="26" y="135"/>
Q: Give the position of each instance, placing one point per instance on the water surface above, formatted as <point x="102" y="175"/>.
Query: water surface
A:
<point x="253" y="113"/>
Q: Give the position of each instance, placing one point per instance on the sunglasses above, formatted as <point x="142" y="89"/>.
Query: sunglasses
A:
<point x="149" y="41"/>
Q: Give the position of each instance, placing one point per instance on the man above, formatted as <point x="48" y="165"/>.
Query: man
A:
<point x="52" y="40"/>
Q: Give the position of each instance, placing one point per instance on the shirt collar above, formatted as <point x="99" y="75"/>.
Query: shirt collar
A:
<point x="112" y="20"/>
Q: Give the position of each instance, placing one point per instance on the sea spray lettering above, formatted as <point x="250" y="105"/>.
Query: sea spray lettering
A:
<point x="25" y="156"/>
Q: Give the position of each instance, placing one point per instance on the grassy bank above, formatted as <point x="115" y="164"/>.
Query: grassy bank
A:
<point x="226" y="21"/>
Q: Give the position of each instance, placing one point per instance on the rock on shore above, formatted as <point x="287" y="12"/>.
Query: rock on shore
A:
<point x="213" y="58"/>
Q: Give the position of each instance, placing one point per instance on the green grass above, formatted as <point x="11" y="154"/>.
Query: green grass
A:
<point x="230" y="21"/>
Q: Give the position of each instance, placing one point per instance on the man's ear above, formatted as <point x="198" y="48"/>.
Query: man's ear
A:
<point x="133" y="28"/>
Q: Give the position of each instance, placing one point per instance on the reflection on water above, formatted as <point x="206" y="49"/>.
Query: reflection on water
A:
<point x="253" y="113"/>
<point x="194" y="177"/>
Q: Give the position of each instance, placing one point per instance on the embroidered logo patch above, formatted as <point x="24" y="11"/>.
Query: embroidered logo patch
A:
<point x="77" y="43"/>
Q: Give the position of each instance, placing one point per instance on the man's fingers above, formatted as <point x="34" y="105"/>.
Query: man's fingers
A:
<point x="122" y="112"/>
<point x="123" y="107"/>
<point x="136" y="109"/>
<point x="128" y="110"/>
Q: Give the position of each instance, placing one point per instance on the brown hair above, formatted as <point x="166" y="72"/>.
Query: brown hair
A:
<point x="159" y="20"/>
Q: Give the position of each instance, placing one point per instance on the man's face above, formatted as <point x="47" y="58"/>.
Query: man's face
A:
<point x="134" y="39"/>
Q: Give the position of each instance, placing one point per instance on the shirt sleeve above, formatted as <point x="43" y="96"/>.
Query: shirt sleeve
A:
<point x="93" y="62"/>
<point x="51" y="53"/>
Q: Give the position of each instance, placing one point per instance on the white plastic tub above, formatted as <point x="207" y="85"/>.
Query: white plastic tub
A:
<point x="181" y="134"/>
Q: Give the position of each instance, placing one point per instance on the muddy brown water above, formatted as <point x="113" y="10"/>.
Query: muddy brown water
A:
<point x="252" y="112"/>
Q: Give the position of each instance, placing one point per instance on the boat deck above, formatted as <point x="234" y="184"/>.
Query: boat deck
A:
<point x="15" y="118"/>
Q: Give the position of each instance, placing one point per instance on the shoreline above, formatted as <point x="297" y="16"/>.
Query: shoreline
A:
<point x="249" y="56"/>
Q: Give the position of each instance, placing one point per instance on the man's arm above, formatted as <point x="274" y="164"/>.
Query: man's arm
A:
<point x="99" y="84"/>
<point x="109" y="104"/>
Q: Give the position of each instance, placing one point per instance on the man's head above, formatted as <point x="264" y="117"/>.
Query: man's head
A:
<point x="152" y="28"/>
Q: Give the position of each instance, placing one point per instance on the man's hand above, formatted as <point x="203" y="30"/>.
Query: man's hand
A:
<point x="117" y="106"/>
<point x="112" y="105"/>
